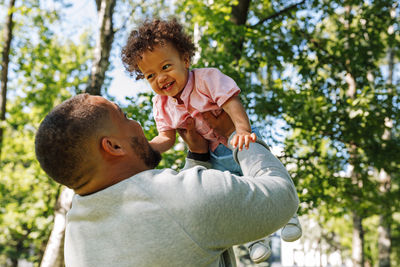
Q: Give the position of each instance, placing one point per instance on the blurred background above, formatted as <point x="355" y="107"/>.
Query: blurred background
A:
<point x="319" y="78"/>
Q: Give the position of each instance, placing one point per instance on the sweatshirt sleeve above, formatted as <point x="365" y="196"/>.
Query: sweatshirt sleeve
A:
<point x="190" y="163"/>
<point x="222" y="209"/>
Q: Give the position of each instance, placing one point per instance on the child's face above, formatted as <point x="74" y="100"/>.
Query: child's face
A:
<point x="165" y="69"/>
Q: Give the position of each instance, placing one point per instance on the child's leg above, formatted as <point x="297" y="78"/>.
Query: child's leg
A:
<point x="222" y="158"/>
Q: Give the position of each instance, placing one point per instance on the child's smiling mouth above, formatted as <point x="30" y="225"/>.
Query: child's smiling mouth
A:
<point x="168" y="86"/>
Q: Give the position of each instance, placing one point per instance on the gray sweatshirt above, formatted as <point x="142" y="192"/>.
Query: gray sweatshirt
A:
<point x="191" y="218"/>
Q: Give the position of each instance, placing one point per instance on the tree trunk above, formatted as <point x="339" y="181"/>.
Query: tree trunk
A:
<point x="240" y="12"/>
<point x="54" y="253"/>
<point x="358" y="241"/>
<point x="4" y="68"/>
<point x="384" y="241"/>
<point x="105" y="9"/>
<point x="384" y="232"/>
<point x="358" y="232"/>
<point x="239" y="17"/>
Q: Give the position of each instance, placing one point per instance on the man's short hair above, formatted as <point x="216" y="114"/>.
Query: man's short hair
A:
<point x="61" y="142"/>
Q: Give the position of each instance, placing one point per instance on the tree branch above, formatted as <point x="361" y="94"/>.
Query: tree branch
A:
<point x="123" y="26"/>
<point x="103" y="47"/>
<point x="278" y="13"/>
<point x="328" y="58"/>
<point x="8" y="35"/>
<point x="98" y="5"/>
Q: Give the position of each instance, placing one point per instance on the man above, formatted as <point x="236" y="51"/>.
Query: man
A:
<point x="125" y="213"/>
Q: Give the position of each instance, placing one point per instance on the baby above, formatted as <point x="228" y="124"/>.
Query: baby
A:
<point x="161" y="52"/>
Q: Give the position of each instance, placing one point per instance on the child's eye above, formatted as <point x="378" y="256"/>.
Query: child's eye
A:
<point x="166" y="66"/>
<point x="149" y="76"/>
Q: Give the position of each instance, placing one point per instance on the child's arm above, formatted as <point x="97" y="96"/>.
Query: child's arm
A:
<point x="163" y="141"/>
<point x="238" y="114"/>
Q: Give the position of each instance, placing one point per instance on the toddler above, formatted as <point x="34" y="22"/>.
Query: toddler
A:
<point x="161" y="52"/>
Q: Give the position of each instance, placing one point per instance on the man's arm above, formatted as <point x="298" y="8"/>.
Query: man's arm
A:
<point x="230" y="209"/>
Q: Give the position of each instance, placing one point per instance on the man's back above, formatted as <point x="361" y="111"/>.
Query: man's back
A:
<point x="137" y="223"/>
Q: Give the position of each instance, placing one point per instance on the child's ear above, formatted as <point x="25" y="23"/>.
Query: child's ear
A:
<point x="186" y="59"/>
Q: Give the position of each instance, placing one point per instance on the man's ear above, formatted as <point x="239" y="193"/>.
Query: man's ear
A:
<point x="111" y="146"/>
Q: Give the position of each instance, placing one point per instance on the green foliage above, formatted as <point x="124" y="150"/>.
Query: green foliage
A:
<point x="293" y="68"/>
<point x="46" y="71"/>
<point x="353" y="125"/>
<point x="296" y="67"/>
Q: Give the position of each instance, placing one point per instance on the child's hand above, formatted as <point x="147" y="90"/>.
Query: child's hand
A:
<point x="243" y="138"/>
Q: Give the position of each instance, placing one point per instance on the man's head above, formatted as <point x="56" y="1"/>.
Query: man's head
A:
<point x="87" y="144"/>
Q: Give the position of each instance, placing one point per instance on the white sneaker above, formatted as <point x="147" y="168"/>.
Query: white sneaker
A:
<point x="292" y="230"/>
<point x="260" y="250"/>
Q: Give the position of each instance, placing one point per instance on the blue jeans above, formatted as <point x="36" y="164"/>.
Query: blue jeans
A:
<point x="222" y="157"/>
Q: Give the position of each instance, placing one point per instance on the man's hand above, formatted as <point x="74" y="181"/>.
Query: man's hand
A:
<point x="222" y="124"/>
<point x="195" y="142"/>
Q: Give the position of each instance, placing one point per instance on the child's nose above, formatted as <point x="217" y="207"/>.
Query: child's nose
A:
<point x="162" y="78"/>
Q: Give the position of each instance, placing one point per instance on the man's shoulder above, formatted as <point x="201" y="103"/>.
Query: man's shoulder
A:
<point x="169" y="178"/>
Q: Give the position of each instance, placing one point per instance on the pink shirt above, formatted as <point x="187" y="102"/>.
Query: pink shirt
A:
<point x="207" y="89"/>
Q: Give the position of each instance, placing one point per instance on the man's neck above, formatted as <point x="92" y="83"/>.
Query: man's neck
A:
<point x="108" y="177"/>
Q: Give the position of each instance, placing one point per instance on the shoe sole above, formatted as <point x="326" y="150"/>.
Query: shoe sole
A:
<point x="263" y="258"/>
<point x="293" y="238"/>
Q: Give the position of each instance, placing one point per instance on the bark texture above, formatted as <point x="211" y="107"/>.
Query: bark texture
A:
<point x="54" y="253"/>
<point x="105" y="10"/>
<point x="239" y="15"/>
<point x="384" y="228"/>
<point x="4" y="68"/>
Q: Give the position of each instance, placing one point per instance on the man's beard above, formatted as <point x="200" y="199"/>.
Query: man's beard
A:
<point x="143" y="149"/>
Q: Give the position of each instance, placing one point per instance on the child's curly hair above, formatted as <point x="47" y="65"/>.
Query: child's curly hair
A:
<point x="152" y="33"/>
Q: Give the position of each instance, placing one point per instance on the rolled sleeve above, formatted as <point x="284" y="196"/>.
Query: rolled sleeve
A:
<point x="162" y="119"/>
